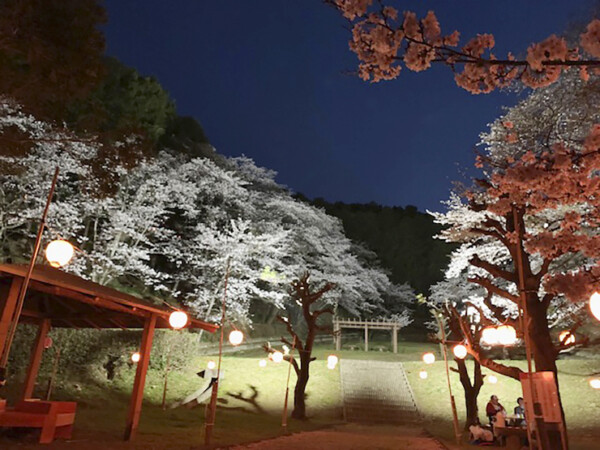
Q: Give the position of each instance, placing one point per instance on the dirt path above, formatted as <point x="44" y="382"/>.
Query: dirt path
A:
<point x="352" y="436"/>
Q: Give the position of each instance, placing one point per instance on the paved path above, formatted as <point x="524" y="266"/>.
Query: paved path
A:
<point x="353" y="437"/>
<point x="376" y="392"/>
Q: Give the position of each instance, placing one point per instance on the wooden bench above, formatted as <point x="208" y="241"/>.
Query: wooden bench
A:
<point x="55" y="419"/>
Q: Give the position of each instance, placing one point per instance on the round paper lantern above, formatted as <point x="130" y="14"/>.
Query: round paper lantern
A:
<point x="277" y="357"/>
<point x="59" y="253"/>
<point x="178" y="320"/>
<point x="428" y="358"/>
<point x="460" y="351"/>
<point x="507" y="335"/>
<point x="489" y="336"/>
<point x="135" y="357"/>
<point x="47" y="342"/>
<point x="492" y="379"/>
<point x="595" y="305"/>
<point x="332" y="361"/>
<point x="211" y="365"/>
<point x="566" y="338"/>
<point x="423" y="374"/>
<point x="262" y="363"/>
<point x="595" y="383"/>
<point x="236" y="337"/>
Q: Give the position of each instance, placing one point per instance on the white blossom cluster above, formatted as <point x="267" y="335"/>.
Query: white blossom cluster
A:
<point x="174" y="224"/>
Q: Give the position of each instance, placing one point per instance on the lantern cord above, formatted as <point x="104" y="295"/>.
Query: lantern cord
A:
<point x="21" y="299"/>
<point x="212" y="406"/>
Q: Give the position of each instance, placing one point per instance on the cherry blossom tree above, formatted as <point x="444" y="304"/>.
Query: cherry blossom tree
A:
<point x="308" y="299"/>
<point x="383" y="39"/>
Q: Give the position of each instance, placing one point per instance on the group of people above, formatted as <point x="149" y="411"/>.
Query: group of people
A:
<point x="496" y="414"/>
<point x="494" y="407"/>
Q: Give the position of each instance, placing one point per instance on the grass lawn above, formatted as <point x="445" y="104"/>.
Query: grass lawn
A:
<point x="103" y="404"/>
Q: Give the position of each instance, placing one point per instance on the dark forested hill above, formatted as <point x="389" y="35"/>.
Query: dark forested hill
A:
<point x="403" y="238"/>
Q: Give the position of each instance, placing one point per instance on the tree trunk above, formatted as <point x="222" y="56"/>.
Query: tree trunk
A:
<point x="299" y="411"/>
<point x="543" y="349"/>
<point x="471" y="390"/>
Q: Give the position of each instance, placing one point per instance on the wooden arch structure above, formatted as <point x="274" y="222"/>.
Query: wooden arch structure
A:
<point x="59" y="299"/>
<point x="339" y="324"/>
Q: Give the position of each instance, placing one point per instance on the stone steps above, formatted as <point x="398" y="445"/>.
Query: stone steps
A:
<point x="376" y="392"/>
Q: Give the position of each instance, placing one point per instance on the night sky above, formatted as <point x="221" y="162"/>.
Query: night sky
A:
<point x="269" y="79"/>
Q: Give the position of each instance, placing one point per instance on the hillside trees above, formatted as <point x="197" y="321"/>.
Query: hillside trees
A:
<point x="173" y="221"/>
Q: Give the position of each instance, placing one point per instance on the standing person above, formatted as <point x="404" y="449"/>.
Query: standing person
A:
<point x="494" y="407"/>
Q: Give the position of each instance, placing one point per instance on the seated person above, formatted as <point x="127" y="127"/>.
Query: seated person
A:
<point x="520" y="408"/>
<point x="494" y="407"/>
<point x="480" y="434"/>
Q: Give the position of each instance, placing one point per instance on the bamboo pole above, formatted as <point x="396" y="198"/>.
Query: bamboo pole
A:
<point x="21" y="299"/>
<point x="287" y="390"/>
<point x="455" y="424"/>
<point x="212" y="407"/>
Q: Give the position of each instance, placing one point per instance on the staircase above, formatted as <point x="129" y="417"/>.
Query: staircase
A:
<point x="376" y="392"/>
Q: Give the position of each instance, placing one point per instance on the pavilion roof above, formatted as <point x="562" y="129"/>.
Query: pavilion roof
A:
<point x="70" y="301"/>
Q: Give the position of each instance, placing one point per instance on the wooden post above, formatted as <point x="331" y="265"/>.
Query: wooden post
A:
<point x="366" y="337"/>
<point x="395" y="338"/>
<point x="36" y="359"/>
<point x="8" y="305"/>
<point x="338" y="336"/>
<point x="137" y="395"/>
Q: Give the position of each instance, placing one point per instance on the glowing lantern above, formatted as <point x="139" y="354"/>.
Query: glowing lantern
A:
<point x="332" y="361"/>
<point x="262" y="363"/>
<point x="566" y="338"/>
<point x="460" y="351"/>
<point x="595" y="383"/>
<point x="135" y="357"/>
<point x="236" y="337"/>
<point x="489" y="336"/>
<point x="286" y="350"/>
<point x="492" y="379"/>
<point x="429" y="358"/>
<point x="595" y="305"/>
<point x="507" y="335"/>
<point x="423" y="374"/>
<point x="277" y="357"/>
<point x="59" y="253"/>
<point x="178" y="319"/>
<point x="211" y="365"/>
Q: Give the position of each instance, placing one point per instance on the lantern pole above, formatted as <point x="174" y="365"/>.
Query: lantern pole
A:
<point x="212" y="406"/>
<point x="20" y="300"/>
<point x="287" y="390"/>
<point x="452" y="401"/>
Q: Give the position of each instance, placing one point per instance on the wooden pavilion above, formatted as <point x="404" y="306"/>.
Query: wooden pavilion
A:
<point x="59" y="299"/>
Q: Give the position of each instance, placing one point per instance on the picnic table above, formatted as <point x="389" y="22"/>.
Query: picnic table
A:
<point x="55" y="419"/>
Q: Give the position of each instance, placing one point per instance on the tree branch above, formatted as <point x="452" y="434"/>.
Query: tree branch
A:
<point x="491" y="287"/>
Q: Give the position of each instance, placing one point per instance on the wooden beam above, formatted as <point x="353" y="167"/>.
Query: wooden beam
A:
<point x="94" y="301"/>
<point x="36" y="359"/>
<point x="395" y="339"/>
<point x="366" y="337"/>
<point x="8" y="305"/>
<point x="135" y="405"/>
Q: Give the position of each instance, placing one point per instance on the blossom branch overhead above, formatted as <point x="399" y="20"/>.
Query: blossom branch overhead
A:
<point x="383" y="40"/>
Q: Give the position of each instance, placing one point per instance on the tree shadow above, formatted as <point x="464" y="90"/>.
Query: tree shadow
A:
<point x="250" y="399"/>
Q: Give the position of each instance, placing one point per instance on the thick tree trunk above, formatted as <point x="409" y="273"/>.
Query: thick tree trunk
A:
<point x="543" y="349"/>
<point x="299" y="411"/>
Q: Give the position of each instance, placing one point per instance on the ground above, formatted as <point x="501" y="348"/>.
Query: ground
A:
<point x="103" y="405"/>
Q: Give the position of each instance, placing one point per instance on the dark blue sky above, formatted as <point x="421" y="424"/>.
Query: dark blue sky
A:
<point x="266" y="79"/>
